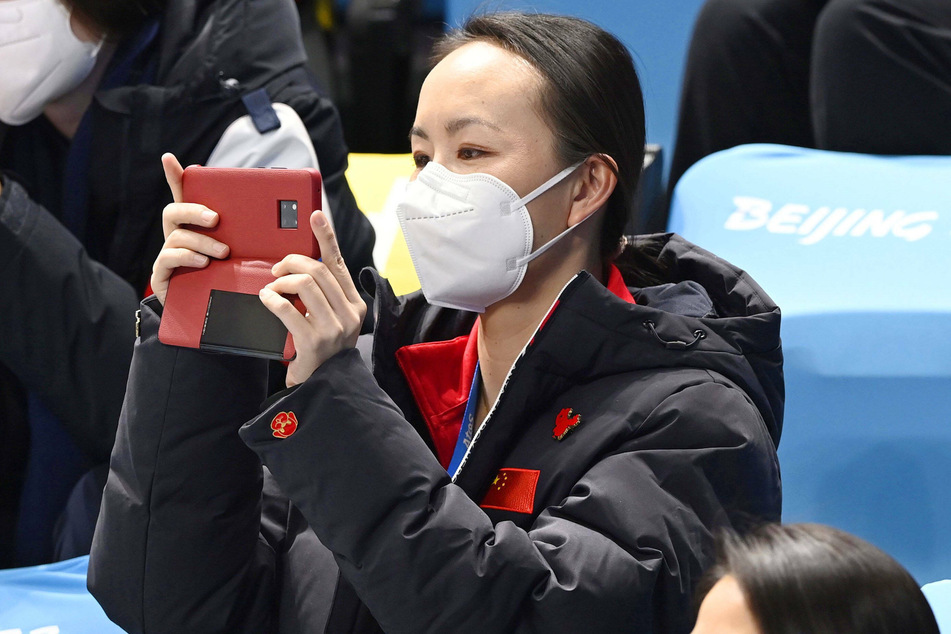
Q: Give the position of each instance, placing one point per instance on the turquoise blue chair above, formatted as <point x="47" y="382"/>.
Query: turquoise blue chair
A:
<point x="939" y="596"/>
<point x="856" y="250"/>
<point x="51" y="599"/>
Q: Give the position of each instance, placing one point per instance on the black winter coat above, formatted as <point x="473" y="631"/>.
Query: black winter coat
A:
<point x="67" y="305"/>
<point x="360" y="528"/>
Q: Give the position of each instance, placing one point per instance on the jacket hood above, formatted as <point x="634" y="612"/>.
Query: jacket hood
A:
<point x="706" y="314"/>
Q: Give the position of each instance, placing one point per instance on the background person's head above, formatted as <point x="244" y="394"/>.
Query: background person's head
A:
<point x="115" y="19"/>
<point x="581" y="83"/>
<point x="48" y="48"/>
<point x="812" y="578"/>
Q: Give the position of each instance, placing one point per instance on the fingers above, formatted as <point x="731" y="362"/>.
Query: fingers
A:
<point x="176" y="214"/>
<point x="293" y="320"/>
<point x="184" y="247"/>
<point x="319" y="279"/>
<point x="304" y="286"/>
<point x="174" y="258"/>
<point x="197" y="242"/>
<point x="167" y="261"/>
<point x="173" y="175"/>
<point x="317" y="337"/>
<point x="327" y="308"/>
<point x="170" y="259"/>
<point x="335" y="310"/>
<point x="330" y="254"/>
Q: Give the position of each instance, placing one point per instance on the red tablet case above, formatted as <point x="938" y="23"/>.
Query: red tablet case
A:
<point x="248" y="202"/>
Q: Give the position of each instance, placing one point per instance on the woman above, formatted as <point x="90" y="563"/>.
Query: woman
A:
<point x="594" y="440"/>
<point x="809" y="578"/>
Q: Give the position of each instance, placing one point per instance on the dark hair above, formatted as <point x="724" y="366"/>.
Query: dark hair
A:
<point x="815" y="578"/>
<point x="117" y="18"/>
<point x="591" y="97"/>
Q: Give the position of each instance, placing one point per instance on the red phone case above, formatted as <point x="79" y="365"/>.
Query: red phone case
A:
<point x="248" y="203"/>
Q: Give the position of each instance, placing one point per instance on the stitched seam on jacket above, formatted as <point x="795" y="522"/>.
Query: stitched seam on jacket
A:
<point x="158" y="449"/>
<point x="764" y="428"/>
<point x="680" y="388"/>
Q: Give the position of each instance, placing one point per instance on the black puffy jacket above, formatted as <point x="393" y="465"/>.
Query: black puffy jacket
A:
<point x="360" y="528"/>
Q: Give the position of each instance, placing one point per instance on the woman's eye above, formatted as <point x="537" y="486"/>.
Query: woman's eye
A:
<point x="420" y="160"/>
<point x="469" y="153"/>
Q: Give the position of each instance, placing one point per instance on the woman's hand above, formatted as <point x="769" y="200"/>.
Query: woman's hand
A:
<point x="182" y="247"/>
<point x="335" y="310"/>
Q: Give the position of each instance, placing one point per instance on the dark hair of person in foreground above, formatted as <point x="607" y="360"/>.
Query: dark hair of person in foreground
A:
<point x="814" y="578"/>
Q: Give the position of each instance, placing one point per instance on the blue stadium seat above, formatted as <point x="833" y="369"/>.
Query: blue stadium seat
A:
<point x="856" y="250"/>
<point x="51" y="599"/>
<point x="939" y="596"/>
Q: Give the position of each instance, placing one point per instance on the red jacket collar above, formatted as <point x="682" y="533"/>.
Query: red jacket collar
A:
<point x="440" y="374"/>
<point x="617" y="286"/>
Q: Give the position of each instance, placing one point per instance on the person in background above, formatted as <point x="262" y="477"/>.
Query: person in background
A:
<point x="545" y="438"/>
<point x="868" y="76"/>
<point x="91" y="93"/>
<point x="792" y="578"/>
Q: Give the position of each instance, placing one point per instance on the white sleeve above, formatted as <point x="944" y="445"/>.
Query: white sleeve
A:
<point x="288" y="146"/>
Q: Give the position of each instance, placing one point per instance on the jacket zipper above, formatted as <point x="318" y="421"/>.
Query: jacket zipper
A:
<point x="508" y="377"/>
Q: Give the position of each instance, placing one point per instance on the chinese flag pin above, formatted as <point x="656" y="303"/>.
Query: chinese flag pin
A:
<point x="284" y="425"/>
<point x="512" y="490"/>
<point x="565" y="422"/>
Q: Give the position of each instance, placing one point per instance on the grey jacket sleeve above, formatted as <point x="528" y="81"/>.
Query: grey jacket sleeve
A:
<point x="618" y="554"/>
<point x="177" y="547"/>
<point x="68" y="321"/>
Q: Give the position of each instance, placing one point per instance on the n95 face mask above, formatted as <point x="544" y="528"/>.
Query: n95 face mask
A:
<point x="41" y="59"/>
<point x="469" y="235"/>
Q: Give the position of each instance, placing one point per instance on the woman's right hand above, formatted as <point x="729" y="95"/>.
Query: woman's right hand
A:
<point x="183" y="247"/>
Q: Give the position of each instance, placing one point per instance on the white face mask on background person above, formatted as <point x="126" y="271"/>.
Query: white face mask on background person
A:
<point x="470" y="235"/>
<point x="41" y="59"/>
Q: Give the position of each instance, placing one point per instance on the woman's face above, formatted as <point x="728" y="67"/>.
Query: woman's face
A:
<point x="478" y="113"/>
<point x="725" y="611"/>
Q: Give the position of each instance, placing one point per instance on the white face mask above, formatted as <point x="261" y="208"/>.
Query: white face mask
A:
<point x="470" y="235"/>
<point x="41" y="59"/>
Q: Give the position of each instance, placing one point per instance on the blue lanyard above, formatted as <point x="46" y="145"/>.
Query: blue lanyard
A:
<point x="468" y="423"/>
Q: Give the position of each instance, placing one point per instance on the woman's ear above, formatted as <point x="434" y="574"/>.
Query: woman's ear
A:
<point x="598" y="178"/>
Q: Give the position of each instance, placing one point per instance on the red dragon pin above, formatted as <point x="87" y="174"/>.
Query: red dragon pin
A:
<point x="565" y="422"/>
<point x="284" y="425"/>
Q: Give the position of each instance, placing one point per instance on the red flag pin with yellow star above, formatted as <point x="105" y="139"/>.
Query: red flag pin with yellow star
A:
<point x="512" y="490"/>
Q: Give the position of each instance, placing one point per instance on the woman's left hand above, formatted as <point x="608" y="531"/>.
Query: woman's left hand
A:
<point x="335" y="310"/>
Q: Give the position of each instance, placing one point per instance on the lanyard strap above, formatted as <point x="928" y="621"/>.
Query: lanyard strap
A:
<point x="468" y="423"/>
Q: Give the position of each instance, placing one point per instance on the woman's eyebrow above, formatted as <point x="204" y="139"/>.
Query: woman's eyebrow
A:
<point x="454" y="126"/>
<point x="458" y="124"/>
